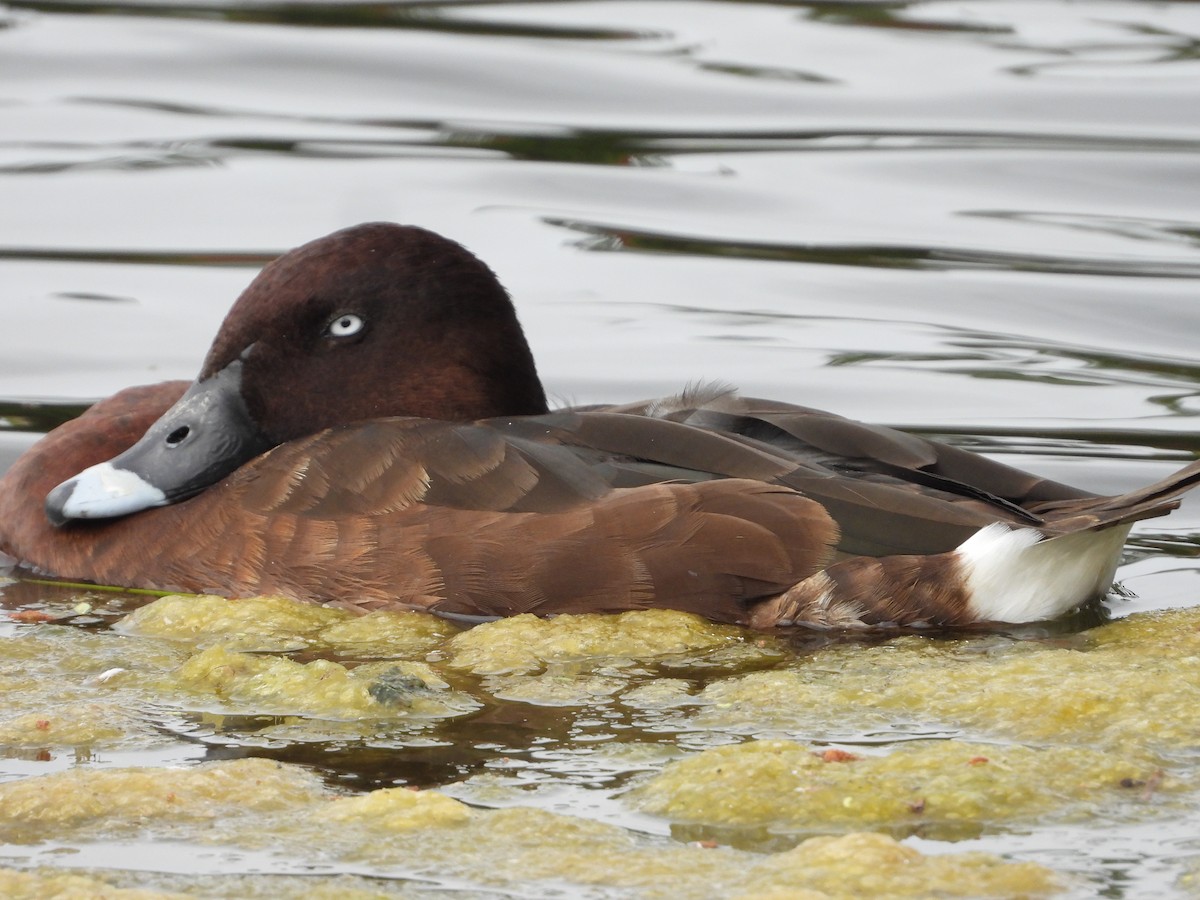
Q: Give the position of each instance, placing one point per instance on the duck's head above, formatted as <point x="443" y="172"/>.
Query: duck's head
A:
<point x="372" y="321"/>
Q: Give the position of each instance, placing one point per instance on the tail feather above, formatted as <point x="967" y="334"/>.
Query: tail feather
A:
<point x="1001" y="573"/>
<point x="1147" y="502"/>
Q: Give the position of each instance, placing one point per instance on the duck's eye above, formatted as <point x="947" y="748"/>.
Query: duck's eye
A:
<point x="345" y="325"/>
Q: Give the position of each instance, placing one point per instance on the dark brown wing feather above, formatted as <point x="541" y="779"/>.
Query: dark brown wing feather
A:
<point x="906" y="500"/>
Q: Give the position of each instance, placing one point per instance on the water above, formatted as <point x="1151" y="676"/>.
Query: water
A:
<point x="980" y="220"/>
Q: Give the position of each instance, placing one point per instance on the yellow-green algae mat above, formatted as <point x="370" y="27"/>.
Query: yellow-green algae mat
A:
<point x="649" y="754"/>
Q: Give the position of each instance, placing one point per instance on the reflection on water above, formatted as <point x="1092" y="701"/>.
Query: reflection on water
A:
<point x="975" y="220"/>
<point x="888" y="257"/>
<point x="422" y="16"/>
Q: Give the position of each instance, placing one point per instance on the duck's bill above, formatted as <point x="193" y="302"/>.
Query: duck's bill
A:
<point x="202" y="438"/>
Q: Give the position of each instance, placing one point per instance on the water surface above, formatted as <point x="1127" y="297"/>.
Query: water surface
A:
<point x="979" y="220"/>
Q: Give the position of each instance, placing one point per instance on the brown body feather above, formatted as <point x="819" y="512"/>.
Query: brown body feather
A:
<point x="732" y="508"/>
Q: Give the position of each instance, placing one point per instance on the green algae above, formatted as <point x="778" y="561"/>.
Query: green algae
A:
<point x="1097" y="726"/>
<point x="240" y="668"/>
<point x="947" y="789"/>
<point x="274" y="624"/>
<point x="555" y="690"/>
<point x="253" y="804"/>
<point x="82" y="801"/>
<point x="66" y="687"/>
<point x="661" y="693"/>
<point x="1131" y="686"/>
<point x="387" y="635"/>
<point x="79" y="724"/>
<point x="872" y="865"/>
<point x="395" y="809"/>
<point x="55" y="658"/>
<point x="107" y="884"/>
<point x="259" y="623"/>
<point x="584" y="660"/>
<point x="51" y="885"/>
<point x="525" y="644"/>
<point x="274" y="685"/>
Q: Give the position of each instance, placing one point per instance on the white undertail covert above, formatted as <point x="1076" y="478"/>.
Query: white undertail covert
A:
<point x="1019" y="575"/>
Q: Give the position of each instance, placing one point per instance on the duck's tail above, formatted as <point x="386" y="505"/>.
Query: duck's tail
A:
<point x="1157" y="499"/>
<point x="1000" y="574"/>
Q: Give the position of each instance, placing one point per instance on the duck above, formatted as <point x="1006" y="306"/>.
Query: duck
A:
<point x="368" y="430"/>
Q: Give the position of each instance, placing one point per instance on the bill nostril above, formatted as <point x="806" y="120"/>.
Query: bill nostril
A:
<point x="178" y="436"/>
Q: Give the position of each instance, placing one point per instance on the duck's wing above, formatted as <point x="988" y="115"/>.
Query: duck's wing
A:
<point x="1052" y="507"/>
<point x="892" y="493"/>
<point x="909" y="511"/>
<point x="474" y="520"/>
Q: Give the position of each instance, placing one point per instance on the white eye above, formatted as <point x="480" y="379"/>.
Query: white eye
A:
<point x="345" y="325"/>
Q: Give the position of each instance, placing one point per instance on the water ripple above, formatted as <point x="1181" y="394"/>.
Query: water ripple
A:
<point x="236" y="258"/>
<point x="1133" y="227"/>
<point x="425" y="16"/>
<point x="325" y="137"/>
<point x="899" y="16"/>
<point x="882" y="256"/>
<point x="132" y="156"/>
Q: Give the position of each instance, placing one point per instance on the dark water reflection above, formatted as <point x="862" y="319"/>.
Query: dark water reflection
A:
<point x="880" y="256"/>
<point x="421" y="16"/>
<point x="977" y="220"/>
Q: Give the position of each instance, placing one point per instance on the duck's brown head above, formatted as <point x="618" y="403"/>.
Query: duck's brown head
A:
<point x="372" y="321"/>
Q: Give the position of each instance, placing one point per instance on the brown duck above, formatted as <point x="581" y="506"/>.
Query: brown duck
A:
<point x="369" y="430"/>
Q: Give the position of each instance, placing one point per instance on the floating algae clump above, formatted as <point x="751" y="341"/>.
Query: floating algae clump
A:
<point x="49" y="885"/>
<point x="278" y="624"/>
<point x="67" y="687"/>
<point x="1131" y="687"/>
<point x="526" y="643"/>
<point x="554" y="690"/>
<point x="50" y="806"/>
<point x="81" y="724"/>
<point x="52" y="660"/>
<point x="539" y="852"/>
<point x="396" y="809"/>
<point x="255" y="623"/>
<point x="438" y="842"/>
<point x="1104" y="722"/>
<point x="798" y="701"/>
<point x="874" y="865"/>
<point x="942" y="788"/>
<point x="280" y="686"/>
<point x="584" y="660"/>
<point x="387" y="634"/>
